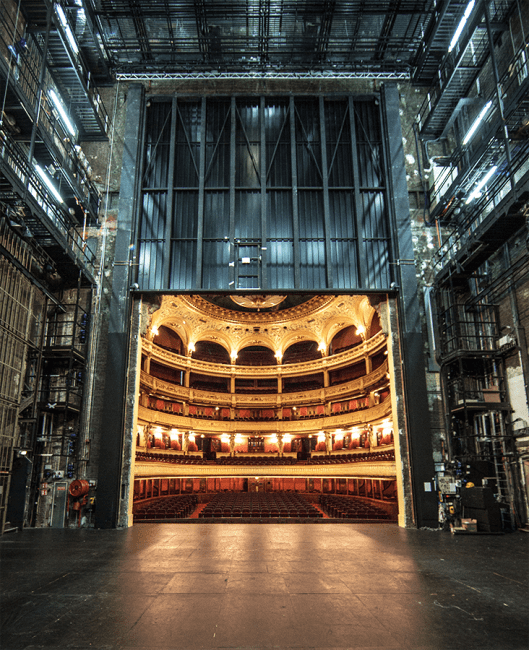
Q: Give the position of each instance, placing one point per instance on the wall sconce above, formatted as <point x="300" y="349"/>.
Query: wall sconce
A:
<point x="191" y="347"/>
<point x="154" y="330"/>
<point x="360" y="331"/>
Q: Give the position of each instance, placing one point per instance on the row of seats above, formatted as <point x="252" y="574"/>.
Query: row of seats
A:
<point x="175" y="507"/>
<point x="257" y="460"/>
<point x="352" y="458"/>
<point x="265" y="460"/>
<point x="169" y="458"/>
<point x="344" y="507"/>
<point x="277" y="504"/>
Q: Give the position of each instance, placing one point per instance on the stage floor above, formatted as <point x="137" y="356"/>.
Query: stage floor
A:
<point x="165" y="586"/>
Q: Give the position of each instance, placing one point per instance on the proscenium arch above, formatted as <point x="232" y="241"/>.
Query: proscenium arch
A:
<point x="359" y="262"/>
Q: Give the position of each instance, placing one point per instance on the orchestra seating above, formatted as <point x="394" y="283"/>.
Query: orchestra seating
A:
<point x="346" y="507"/>
<point x="174" y="507"/>
<point x="260" y="505"/>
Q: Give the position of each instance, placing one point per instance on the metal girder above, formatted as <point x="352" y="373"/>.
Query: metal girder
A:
<point x="323" y="74"/>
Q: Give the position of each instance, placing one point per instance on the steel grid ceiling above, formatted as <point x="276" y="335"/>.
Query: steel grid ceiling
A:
<point x="261" y="35"/>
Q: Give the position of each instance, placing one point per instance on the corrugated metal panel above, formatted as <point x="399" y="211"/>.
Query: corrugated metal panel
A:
<point x="312" y="264"/>
<point x="308" y="148"/>
<point x="215" y="269"/>
<point x="280" y="214"/>
<point x="344" y="264"/>
<point x="281" y="264"/>
<point x="187" y="151"/>
<point x="185" y="216"/>
<point x="311" y="215"/>
<point x="342" y="214"/>
<point x="318" y="237"/>
<point x="151" y="258"/>
<point x="218" y="144"/>
<point x="248" y="215"/>
<point x="216" y="214"/>
<point x="183" y="265"/>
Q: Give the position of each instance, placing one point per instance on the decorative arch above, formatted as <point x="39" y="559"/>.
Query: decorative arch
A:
<point x="213" y="336"/>
<point x="297" y="336"/>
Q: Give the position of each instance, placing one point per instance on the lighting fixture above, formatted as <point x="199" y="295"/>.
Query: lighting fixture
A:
<point x="477" y="122"/>
<point x="477" y="192"/>
<point x="360" y="330"/>
<point x="67" y="30"/>
<point x="461" y="25"/>
<point x="60" y="108"/>
<point x="47" y="181"/>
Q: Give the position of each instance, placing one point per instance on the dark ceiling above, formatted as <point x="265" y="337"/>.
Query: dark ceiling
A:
<point x="264" y="35"/>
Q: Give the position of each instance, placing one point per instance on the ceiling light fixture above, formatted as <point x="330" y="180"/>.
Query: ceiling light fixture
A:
<point x="47" y="181"/>
<point x="461" y="25"/>
<point x="477" y="192"/>
<point x="477" y="122"/>
<point x="64" y="116"/>
<point x="67" y="30"/>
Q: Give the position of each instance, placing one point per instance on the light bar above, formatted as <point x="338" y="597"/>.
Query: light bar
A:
<point x="461" y="25"/>
<point x="477" y="192"/>
<point x="58" y="105"/>
<point x="67" y="30"/>
<point x="477" y="122"/>
<point x="48" y="183"/>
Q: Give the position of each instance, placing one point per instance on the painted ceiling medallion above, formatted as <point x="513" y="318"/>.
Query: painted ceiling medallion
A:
<point x="257" y="302"/>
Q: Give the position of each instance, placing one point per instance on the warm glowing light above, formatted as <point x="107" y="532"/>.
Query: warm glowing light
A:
<point x="233" y="354"/>
<point x="239" y="439"/>
<point x="225" y="437"/>
<point x="321" y="437"/>
<point x="338" y="435"/>
<point x="273" y="439"/>
<point x="173" y="434"/>
<point x="155" y="331"/>
<point x="191" y="347"/>
<point x="158" y="432"/>
<point x="360" y="330"/>
<point x="387" y="431"/>
<point x="321" y="347"/>
<point x="191" y="437"/>
<point x="288" y="438"/>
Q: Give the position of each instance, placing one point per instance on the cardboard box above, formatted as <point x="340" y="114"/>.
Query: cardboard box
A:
<point x="470" y="525"/>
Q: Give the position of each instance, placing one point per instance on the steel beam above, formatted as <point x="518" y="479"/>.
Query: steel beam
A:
<point x="417" y="435"/>
<point x="109" y="486"/>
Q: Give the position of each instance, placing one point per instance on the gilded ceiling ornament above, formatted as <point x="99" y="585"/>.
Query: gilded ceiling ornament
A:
<point x="257" y="302"/>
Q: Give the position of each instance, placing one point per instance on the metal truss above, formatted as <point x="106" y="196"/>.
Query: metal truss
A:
<point x="322" y="74"/>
